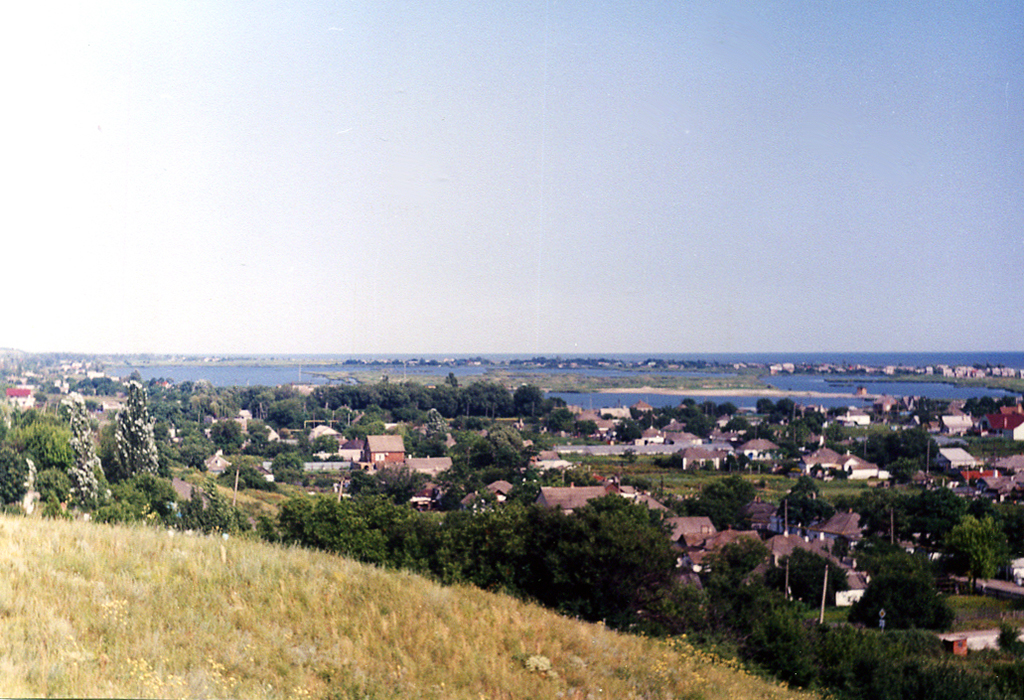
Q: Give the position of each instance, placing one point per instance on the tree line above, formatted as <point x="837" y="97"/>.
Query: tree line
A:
<point x="611" y="561"/>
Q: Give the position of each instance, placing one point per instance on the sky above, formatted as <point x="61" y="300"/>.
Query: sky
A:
<point x="533" y="177"/>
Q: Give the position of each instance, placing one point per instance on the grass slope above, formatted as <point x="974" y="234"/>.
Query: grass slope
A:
<point x="90" y="610"/>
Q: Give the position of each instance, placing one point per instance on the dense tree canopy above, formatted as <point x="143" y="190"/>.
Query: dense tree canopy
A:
<point x="977" y="547"/>
<point x="723" y="501"/>
<point x="903" y="585"/>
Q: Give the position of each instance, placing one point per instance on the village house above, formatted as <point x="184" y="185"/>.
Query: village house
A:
<point x="681" y="438"/>
<point x="697" y="457"/>
<point x="1007" y="425"/>
<point x="999" y="488"/>
<point x="956" y="424"/>
<point x="351" y="450"/>
<point x="856" y="468"/>
<point x="690" y="531"/>
<point x="715" y="542"/>
<point x="383" y="451"/>
<point x="569" y="498"/>
<point x="501" y="489"/>
<point x="1012" y="464"/>
<point x="216" y="463"/>
<point x="549" y="459"/>
<point x="955" y="458"/>
<point x="781" y="547"/>
<point x="854" y="417"/>
<point x="763" y="517"/>
<point x="431" y="466"/>
<point x="758" y="449"/>
<point x="426" y="498"/>
<point x="820" y="462"/>
<point x="841" y="525"/>
<point x="884" y="404"/>
<point x="324" y="430"/>
<point x="21" y="397"/>
<point x="616" y="413"/>
<point x="651" y="436"/>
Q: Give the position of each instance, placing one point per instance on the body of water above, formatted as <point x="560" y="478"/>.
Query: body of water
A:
<point x="270" y="374"/>
<point x="874" y="385"/>
<point x="274" y="371"/>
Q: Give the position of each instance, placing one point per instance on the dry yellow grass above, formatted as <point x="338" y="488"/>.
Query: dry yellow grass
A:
<point x="90" y="610"/>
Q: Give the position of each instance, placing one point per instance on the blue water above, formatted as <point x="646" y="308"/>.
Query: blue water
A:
<point x="271" y="374"/>
<point x="875" y="385"/>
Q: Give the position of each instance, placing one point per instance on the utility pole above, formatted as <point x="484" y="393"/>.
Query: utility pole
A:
<point x="787" y="578"/>
<point x="824" y="590"/>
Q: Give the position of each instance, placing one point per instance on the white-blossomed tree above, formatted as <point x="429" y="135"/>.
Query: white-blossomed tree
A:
<point x="84" y="473"/>
<point x="133" y="435"/>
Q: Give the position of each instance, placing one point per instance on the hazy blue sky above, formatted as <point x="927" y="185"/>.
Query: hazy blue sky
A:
<point x="552" y="177"/>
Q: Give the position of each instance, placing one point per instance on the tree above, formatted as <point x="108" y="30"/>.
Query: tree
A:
<point x="325" y="444"/>
<point x="331" y="525"/>
<point x="248" y="478"/>
<point x="194" y="450"/>
<point x="934" y="513"/>
<point x="723" y="501"/>
<point x="46" y="442"/>
<point x="606" y="561"/>
<point x="779" y="640"/>
<point x="736" y="594"/>
<point x="560" y="420"/>
<point x="227" y="435"/>
<point x="83" y="473"/>
<point x="400" y="483"/>
<point x="53" y="484"/>
<point x="14" y="476"/>
<point x="904" y="586"/>
<point x="805" y="504"/>
<point x="287" y="467"/>
<point x="977" y="547"/>
<point x="806" y="577"/>
<point x="904" y="468"/>
<point x="215" y="515"/>
<point x="528" y="400"/>
<point x="435" y="423"/>
<point x="737" y="424"/>
<point x="628" y="430"/>
<point x="136" y="447"/>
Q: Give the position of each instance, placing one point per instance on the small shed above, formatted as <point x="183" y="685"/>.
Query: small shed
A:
<point x="956" y="646"/>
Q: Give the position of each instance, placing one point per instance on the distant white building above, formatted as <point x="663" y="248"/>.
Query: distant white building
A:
<point x="854" y="417"/>
<point x="950" y="458"/>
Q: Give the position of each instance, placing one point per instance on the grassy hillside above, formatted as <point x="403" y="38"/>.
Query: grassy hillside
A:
<point x="91" y="610"/>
